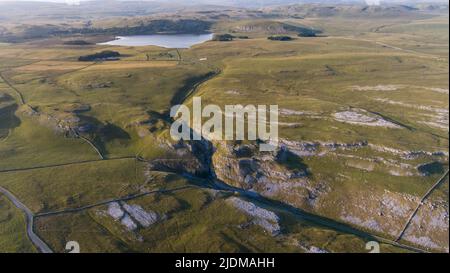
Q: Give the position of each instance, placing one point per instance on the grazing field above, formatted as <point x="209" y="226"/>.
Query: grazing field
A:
<point x="363" y="134"/>
<point x="13" y="236"/>
<point x="187" y="222"/>
<point x="71" y="186"/>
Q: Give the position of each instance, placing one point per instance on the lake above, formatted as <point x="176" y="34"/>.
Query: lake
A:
<point x="163" y="40"/>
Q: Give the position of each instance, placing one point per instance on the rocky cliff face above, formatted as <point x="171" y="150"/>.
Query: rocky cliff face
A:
<point x="282" y="176"/>
<point x="380" y="211"/>
<point x="191" y="158"/>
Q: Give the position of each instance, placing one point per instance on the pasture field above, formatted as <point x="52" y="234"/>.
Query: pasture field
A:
<point x="189" y="223"/>
<point x="72" y="186"/>
<point x="13" y="236"/>
<point x="367" y="98"/>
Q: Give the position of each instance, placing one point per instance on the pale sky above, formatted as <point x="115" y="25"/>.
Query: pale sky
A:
<point x="56" y="1"/>
<point x="370" y="2"/>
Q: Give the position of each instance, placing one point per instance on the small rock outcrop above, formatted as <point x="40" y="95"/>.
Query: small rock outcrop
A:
<point x="266" y="219"/>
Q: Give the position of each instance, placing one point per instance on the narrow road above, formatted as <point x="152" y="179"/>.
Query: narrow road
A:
<point x="424" y="197"/>
<point x="19" y="94"/>
<point x="35" y="239"/>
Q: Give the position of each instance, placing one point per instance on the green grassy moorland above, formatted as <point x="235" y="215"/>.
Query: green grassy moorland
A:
<point x="189" y="223"/>
<point x="13" y="236"/>
<point x="330" y="90"/>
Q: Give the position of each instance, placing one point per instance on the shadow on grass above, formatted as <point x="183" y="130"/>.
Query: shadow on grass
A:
<point x="291" y="161"/>
<point x="190" y="86"/>
<point x="100" y="134"/>
<point x="432" y="168"/>
<point x="8" y="119"/>
<point x="110" y="132"/>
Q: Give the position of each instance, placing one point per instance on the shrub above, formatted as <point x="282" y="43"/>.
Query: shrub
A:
<point x="223" y="37"/>
<point x="280" y="38"/>
<point x="99" y="56"/>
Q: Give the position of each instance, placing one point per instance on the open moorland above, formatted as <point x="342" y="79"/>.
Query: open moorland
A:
<point x="363" y="94"/>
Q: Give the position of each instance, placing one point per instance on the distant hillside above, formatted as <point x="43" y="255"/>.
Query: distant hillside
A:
<point x="273" y="27"/>
<point x="434" y="8"/>
<point x="350" y="11"/>
<point x="24" y="32"/>
<point x="154" y="26"/>
<point x="17" y="11"/>
<point x="259" y="3"/>
<point x="23" y="21"/>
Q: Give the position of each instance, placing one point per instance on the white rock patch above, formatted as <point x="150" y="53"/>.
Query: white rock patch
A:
<point x="144" y="218"/>
<point x="439" y="116"/>
<point x="232" y="92"/>
<point x="115" y="211"/>
<point x="358" y="118"/>
<point x="315" y="249"/>
<point x="128" y="215"/>
<point x="439" y="90"/>
<point x="308" y="114"/>
<point x="422" y="240"/>
<point x="379" y="87"/>
<point x="370" y="224"/>
<point x="312" y="249"/>
<point x="264" y="218"/>
<point x="128" y="222"/>
<point x="288" y="112"/>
